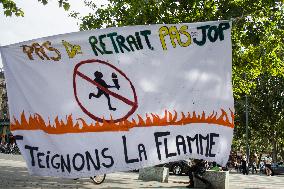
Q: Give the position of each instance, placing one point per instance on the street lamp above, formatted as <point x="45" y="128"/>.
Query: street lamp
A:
<point x="247" y="144"/>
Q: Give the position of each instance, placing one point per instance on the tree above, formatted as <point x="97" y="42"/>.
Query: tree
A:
<point x="258" y="51"/>
<point x="266" y="110"/>
<point x="10" y="7"/>
<point x="257" y="33"/>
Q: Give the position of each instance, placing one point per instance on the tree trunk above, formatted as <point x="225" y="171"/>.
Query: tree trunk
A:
<point x="259" y="159"/>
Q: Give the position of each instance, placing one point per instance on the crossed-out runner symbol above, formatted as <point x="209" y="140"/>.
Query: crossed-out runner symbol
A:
<point x="103" y="89"/>
<point x="99" y="80"/>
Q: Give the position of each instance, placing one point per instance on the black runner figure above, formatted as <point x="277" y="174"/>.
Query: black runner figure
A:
<point x="98" y="79"/>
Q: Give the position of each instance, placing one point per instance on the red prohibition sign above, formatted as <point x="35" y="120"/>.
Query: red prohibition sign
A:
<point x="133" y="105"/>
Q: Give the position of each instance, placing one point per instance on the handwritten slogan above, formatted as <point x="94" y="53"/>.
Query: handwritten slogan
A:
<point x="117" y="99"/>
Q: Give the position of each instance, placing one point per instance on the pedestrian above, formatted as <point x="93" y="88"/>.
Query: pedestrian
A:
<point x="244" y="165"/>
<point x="268" y="169"/>
<point x="262" y="167"/>
<point x="236" y="165"/>
<point x="254" y="170"/>
<point x="3" y="140"/>
<point x="239" y="165"/>
<point x="197" y="170"/>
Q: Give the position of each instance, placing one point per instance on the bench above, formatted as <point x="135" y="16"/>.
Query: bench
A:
<point x="160" y="174"/>
<point x="219" y="179"/>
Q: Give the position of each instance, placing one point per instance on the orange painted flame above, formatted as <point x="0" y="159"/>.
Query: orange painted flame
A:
<point x="36" y="122"/>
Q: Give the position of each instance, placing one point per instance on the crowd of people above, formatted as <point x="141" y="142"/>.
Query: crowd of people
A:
<point x="197" y="168"/>
<point x="8" y="145"/>
<point x="241" y="164"/>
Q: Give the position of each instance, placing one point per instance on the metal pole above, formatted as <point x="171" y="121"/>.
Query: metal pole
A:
<point x="247" y="144"/>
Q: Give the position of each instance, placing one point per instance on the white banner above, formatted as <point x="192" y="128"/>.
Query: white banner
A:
<point x="116" y="99"/>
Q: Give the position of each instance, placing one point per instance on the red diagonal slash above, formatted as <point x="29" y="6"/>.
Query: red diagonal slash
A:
<point x="105" y="89"/>
<point x="133" y="103"/>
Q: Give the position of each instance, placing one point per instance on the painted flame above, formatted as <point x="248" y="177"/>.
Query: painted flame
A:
<point x="36" y="122"/>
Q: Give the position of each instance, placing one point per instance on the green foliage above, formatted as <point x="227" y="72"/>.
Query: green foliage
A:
<point x="10" y="8"/>
<point x="257" y="42"/>
<point x="258" y="51"/>
<point x="257" y="33"/>
<point x="64" y="4"/>
<point x="266" y="116"/>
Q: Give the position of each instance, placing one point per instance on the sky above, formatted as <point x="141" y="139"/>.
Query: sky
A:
<point x="39" y="21"/>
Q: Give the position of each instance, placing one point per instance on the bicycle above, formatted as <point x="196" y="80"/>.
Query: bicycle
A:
<point x="98" y="179"/>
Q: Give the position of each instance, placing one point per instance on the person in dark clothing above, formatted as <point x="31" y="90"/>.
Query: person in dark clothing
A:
<point x="244" y="166"/>
<point x="197" y="170"/>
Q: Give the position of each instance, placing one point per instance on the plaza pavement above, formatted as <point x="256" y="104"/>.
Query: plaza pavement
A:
<point x="13" y="174"/>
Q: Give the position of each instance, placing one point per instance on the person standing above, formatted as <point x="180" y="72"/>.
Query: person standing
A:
<point x="244" y="165"/>
<point x="262" y="167"/>
<point x="254" y="170"/>
<point x="254" y="163"/>
<point x="268" y="169"/>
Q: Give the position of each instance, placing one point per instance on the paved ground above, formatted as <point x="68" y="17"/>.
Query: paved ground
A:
<point x="13" y="174"/>
<point x="256" y="181"/>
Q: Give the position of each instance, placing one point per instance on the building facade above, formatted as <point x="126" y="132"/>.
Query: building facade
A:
<point x="4" y="111"/>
